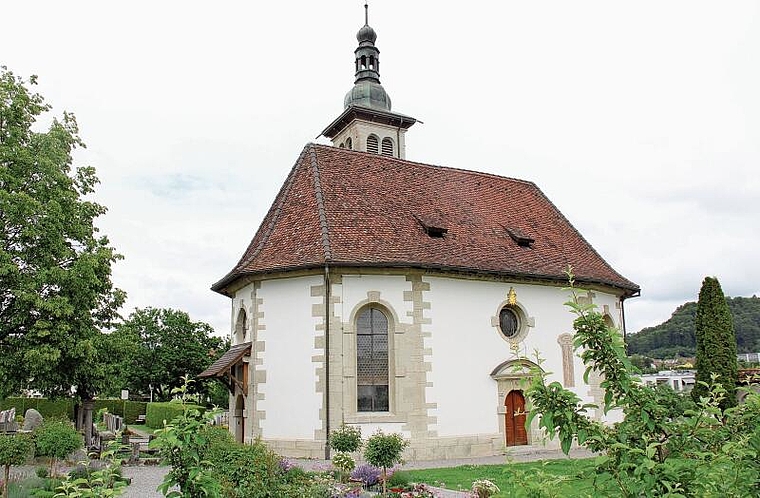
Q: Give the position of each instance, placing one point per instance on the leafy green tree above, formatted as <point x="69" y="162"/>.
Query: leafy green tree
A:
<point x="14" y="450"/>
<point x="384" y="450"/>
<point x="663" y="446"/>
<point x="56" y="439"/>
<point x="346" y="438"/>
<point x="643" y="363"/>
<point x="157" y="347"/>
<point x="677" y="336"/>
<point x="56" y="292"/>
<point x="716" y="343"/>
<point x="182" y="444"/>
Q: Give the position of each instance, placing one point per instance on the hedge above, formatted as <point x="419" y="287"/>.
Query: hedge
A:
<point x="58" y="408"/>
<point x="130" y="410"/>
<point x="65" y="407"/>
<point x="156" y="413"/>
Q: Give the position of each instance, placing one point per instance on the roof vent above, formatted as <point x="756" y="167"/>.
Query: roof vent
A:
<point x="432" y="227"/>
<point x="519" y="237"/>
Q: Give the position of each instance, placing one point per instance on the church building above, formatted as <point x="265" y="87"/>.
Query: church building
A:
<point x="402" y="296"/>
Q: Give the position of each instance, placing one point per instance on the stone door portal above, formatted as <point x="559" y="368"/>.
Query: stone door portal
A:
<point x="514" y="422"/>
<point x="239" y="418"/>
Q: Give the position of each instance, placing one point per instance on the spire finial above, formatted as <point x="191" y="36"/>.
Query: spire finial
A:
<point x="366" y="14"/>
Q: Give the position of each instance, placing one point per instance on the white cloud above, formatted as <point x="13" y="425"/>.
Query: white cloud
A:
<point x="640" y="121"/>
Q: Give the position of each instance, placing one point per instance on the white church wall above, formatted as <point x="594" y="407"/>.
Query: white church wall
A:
<point x="291" y="404"/>
<point x="466" y="347"/>
<point x="391" y="289"/>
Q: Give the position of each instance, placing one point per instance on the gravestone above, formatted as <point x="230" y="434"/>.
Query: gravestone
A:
<point x="32" y="420"/>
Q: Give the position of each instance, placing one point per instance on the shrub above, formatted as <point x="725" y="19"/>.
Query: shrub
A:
<point x="344" y="463"/>
<point x="346" y="438"/>
<point x="129" y="410"/>
<point x="56" y="439"/>
<point x="14" y="450"/>
<point x="182" y="443"/>
<point x="157" y="413"/>
<point x="398" y="479"/>
<point x="60" y="408"/>
<point x="94" y="479"/>
<point x="247" y="470"/>
<point x="483" y="488"/>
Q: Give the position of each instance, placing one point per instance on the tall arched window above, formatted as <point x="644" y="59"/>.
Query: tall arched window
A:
<point x="388" y="147"/>
<point x="240" y="326"/>
<point x="372" y="145"/>
<point x="372" y="361"/>
<point x="349" y="143"/>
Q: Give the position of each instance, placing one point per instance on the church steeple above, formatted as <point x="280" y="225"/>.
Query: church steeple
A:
<point x="367" y="54"/>
<point x="367" y="123"/>
<point x="367" y="90"/>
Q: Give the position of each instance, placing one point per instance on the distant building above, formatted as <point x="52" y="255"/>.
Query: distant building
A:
<point x="395" y="295"/>
<point x="749" y="357"/>
<point x="679" y="380"/>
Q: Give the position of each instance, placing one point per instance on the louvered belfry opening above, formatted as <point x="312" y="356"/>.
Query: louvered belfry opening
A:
<point x="372" y="145"/>
<point x="388" y="147"/>
<point x="372" y="361"/>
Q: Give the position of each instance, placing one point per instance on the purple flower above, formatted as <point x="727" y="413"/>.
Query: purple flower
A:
<point x="366" y="473"/>
<point x="286" y="465"/>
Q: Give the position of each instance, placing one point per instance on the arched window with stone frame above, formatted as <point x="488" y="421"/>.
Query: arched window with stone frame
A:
<point x="372" y="361"/>
<point x="240" y="327"/>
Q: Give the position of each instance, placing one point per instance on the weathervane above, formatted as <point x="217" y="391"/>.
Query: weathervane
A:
<point x="366" y="14"/>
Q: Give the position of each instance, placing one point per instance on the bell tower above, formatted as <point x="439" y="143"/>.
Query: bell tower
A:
<point x="367" y="123"/>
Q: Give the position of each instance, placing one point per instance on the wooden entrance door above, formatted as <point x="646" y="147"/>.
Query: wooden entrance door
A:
<point x="514" y="423"/>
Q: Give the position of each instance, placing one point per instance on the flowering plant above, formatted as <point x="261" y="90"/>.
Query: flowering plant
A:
<point x="368" y="474"/>
<point x="414" y="491"/>
<point x="483" y="488"/>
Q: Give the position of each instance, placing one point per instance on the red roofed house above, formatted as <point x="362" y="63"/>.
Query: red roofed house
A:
<point x="395" y="295"/>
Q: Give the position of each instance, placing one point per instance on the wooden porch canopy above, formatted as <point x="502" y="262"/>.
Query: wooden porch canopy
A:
<point x="224" y="367"/>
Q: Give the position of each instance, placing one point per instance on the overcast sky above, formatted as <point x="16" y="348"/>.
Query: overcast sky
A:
<point x="639" y="120"/>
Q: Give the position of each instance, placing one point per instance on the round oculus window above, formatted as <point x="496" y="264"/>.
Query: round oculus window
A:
<point x="509" y="323"/>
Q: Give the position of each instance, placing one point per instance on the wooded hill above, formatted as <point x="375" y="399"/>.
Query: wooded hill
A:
<point x="675" y="337"/>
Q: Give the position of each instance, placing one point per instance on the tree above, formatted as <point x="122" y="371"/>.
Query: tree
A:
<point x="56" y="439"/>
<point x="14" y="450"/>
<point x="384" y="450"/>
<point x="643" y="363"/>
<point x="159" y="346"/>
<point x="55" y="270"/>
<point x="716" y="343"/>
<point x="663" y="446"/>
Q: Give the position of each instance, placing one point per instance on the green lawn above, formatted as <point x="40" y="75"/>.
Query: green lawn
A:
<point x="566" y="478"/>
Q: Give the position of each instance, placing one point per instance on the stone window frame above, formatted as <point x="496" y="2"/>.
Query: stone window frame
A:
<point x="350" y="392"/>
<point x="241" y="326"/>
<point x="388" y="338"/>
<point x="525" y="322"/>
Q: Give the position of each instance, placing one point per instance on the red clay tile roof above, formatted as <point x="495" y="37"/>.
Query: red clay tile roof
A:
<point x="348" y="208"/>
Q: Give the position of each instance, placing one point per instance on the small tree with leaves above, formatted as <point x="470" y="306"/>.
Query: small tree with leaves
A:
<point x="14" y="450"/>
<point x="56" y="439"/>
<point x="658" y="449"/>
<point x="384" y="450"/>
<point x="345" y="440"/>
<point x="716" y="343"/>
<point x="182" y="443"/>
